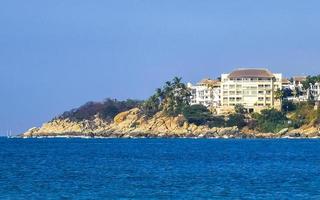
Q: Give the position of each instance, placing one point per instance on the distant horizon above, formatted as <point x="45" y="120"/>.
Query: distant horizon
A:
<point x="57" y="55"/>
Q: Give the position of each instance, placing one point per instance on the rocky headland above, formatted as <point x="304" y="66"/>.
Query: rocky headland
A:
<point x="134" y="124"/>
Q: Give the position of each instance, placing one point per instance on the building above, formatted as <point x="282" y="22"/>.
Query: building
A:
<point x="286" y="84"/>
<point x="314" y="91"/>
<point x="255" y="89"/>
<point x="206" y="92"/>
<point x="299" y="92"/>
<point x="298" y="80"/>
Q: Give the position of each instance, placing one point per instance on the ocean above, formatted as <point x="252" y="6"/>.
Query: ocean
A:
<point x="159" y="169"/>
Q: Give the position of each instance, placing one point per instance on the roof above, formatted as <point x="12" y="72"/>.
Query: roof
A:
<point x="251" y="73"/>
<point x="285" y="81"/>
<point x="208" y="81"/>
<point x="299" y="78"/>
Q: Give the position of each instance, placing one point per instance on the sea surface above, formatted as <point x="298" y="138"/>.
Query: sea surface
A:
<point x="159" y="169"/>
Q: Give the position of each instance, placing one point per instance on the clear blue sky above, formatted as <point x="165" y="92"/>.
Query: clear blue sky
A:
<point x="57" y="55"/>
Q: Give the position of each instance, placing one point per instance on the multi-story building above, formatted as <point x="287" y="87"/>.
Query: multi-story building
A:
<point x="314" y="91"/>
<point x="206" y="92"/>
<point x="255" y="89"/>
<point x="298" y="80"/>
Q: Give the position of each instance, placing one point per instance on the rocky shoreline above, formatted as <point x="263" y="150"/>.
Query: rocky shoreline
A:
<point x="132" y="124"/>
<point x="134" y="135"/>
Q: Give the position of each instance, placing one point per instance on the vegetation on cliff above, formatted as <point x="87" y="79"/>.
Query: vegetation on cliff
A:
<point x="270" y="120"/>
<point x="106" y="110"/>
<point x="305" y="114"/>
<point x="173" y="100"/>
<point x="311" y="80"/>
<point x="200" y="115"/>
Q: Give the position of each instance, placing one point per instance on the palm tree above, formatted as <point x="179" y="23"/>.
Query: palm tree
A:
<point x="279" y="96"/>
<point x="159" y="94"/>
<point x="176" y="80"/>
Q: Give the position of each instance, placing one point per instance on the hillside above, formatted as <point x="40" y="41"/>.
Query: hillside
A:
<point x="167" y="113"/>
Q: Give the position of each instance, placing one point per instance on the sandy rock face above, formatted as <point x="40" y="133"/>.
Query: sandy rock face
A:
<point x="131" y="123"/>
<point x="305" y="131"/>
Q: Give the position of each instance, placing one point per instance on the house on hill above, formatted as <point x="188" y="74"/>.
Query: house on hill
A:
<point x="254" y="88"/>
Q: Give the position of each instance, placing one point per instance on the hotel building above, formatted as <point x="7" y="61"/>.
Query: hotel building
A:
<point x="253" y="88"/>
<point x="206" y="92"/>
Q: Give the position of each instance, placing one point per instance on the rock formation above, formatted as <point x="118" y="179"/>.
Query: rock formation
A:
<point x="131" y="123"/>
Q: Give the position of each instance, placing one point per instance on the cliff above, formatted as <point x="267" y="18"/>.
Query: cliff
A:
<point x="132" y="123"/>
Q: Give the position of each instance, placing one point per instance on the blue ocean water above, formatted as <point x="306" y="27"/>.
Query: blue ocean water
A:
<point x="159" y="169"/>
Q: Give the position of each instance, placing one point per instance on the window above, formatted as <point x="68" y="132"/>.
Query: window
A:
<point x="267" y="86"/>
<point x="260" y="98"/>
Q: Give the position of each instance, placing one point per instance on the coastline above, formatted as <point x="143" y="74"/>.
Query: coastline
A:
<point x="169" y="136"/>
<point x="131" y="124"/>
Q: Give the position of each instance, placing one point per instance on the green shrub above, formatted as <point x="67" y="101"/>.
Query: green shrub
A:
<point x="236" y="120"/>
<point x="197" y="114"/>
<point x="107" y="109"/>
<point x="271" y="120"/>
<point x="288" y="106"/>
<point x="304" y="113"/>
<point x="216" y="122"/>
<point x="239" y="109"/>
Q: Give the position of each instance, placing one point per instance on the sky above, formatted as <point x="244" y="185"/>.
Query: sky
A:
<point x="57" y="55"/>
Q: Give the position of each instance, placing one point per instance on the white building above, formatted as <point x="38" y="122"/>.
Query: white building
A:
<point x="206" y="92"/>
<point x="255" y="89"/>
<point x="314" y="91"/>
<point x="298" y="80"/>
<point x="287" y="84"/>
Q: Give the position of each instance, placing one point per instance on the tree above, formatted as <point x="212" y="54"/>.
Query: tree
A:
<point x="239" y="109"/>
<point x="287" y="92"/>
<point x="270" y="120"/>
<point x="172" y="98"/>
<point x="151" y="106"/>
<point x="236" y="120"/>
<point x="175" y="97"/>
<point x="279" y="96"/>
<point x="288" y="106"/>
<point x="310" y="80"/>
<point x="106" y="109"/>
<point x="197" y="114"/>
